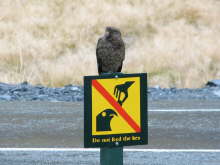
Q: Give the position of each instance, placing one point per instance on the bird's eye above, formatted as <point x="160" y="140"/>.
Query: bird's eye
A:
<point x="103" y="114"/>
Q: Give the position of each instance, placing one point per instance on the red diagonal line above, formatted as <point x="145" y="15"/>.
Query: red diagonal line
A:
<point x="116" y="105"/>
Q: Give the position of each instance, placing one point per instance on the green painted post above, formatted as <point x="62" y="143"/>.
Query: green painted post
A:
<point x="111" y="156"/>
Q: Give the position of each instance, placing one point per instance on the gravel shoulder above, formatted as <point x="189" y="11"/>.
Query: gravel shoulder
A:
<point x="72" y="93"/>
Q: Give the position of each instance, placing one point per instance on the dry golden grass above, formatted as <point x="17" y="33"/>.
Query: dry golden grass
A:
<point x="53" y="42"/>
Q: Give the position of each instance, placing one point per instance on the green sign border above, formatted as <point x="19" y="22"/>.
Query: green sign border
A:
<point x="88" y="137"/>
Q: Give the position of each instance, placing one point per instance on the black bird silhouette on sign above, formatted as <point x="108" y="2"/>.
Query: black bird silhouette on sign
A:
<point x="103" y="120"/>
<point x="122" y="88"/>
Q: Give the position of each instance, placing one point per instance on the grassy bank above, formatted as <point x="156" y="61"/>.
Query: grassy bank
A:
<point x="53" y="42"/>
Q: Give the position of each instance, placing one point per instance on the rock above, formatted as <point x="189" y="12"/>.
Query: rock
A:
<point x="213" y="83"/>
<point x="5" y="97"/>
<point x="157" y="87"/>
<point x="24" y="83"/>
<point x="217" y="93"/>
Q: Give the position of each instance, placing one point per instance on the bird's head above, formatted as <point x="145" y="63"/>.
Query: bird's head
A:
<point x="112" y="33"/>
<point x="108" y="113"/>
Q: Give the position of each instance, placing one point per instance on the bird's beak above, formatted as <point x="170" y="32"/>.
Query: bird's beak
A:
<point x="113" y="114"/>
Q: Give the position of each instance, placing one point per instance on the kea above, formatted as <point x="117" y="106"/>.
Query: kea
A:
<point x="110" y="51"/>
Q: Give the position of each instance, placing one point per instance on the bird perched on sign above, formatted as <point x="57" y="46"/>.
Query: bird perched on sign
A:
<point x="110" y="51"/>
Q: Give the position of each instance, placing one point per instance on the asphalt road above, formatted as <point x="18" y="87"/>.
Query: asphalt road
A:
<point x="172" y="125"/>
<point x="92" y="158"/>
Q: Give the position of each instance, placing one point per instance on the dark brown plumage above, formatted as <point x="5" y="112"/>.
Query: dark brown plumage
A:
<point x="110" y="51"/>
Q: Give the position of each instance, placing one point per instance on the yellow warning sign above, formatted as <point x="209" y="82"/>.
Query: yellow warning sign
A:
<point x="116" y="106"/>
<point x="115" y="110"/>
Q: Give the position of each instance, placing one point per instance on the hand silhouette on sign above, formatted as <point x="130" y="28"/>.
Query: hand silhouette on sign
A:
<point x="122" y="88"/>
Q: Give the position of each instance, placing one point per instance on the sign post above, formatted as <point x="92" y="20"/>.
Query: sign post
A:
<point x="110" y="156"/>
<point x="115" y="114"/>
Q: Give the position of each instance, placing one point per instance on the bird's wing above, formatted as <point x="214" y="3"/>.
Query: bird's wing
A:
<point x="122" y="55"/>
<point x="99" y="55"/>
<point x="122" y="50"/>
<point x="99" y="47"/>
<point x="120" y="67"/>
